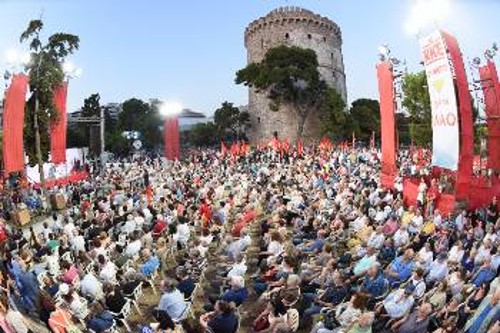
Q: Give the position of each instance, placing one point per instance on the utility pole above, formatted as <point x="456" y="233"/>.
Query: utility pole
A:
<point x="103" y="145"/>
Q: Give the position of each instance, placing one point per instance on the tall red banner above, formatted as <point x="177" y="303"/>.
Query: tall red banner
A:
<point x="387" y="122"/>
<point x="13" y="123"/>
<point x="491" y="91"/>
<point x="58" y="128"/>
<point x="171" y="136"/>
<point x="466" y="157"/>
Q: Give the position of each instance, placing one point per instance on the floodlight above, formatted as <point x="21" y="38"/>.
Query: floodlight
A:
<point x="11" y="57"/>
<point x="170" y="109"/>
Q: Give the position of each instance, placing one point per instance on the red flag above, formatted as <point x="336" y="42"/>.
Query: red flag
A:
<point x="58" y="127"/>
<point x="13" y="123"/>
<point x="274" y="144"/>
<point x="300" y="147"/>
<point x="223" y="149"/>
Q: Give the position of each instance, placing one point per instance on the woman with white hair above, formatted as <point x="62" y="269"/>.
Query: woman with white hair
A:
<point x="238" y="293"/>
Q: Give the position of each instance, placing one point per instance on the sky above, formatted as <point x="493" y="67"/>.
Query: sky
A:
<point x="189" y="50"/>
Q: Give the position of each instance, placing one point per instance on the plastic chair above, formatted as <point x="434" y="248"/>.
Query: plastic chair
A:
<point x="293" y="319"/>
<point x="124" y="313"/>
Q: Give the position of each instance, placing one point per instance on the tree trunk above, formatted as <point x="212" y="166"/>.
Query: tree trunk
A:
<point x="301" y="121"/>
<point x="39" y="149"/>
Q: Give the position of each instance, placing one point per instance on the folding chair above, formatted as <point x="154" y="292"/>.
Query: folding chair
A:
<point x="134" y="297"/>
<point x="40" y="278"/>
<point x="124" y="313"/>
<point x="152" y="281"/>
<point x="67" y="257"/>
<point x="293" y="319"/>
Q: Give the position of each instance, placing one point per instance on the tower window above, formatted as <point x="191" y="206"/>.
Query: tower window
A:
<point x="262" y="43"/>
<point x="331" y="55"/>
<point x="258" y="120"/>
<point x="309" y="36"/>
<point x="287" y="35"/>
<point x="324" y="39"/>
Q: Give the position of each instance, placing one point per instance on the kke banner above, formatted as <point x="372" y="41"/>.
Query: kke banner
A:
<point x="445" y="124"/>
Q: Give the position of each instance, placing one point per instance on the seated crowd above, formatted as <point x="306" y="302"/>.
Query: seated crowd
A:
<point x="266" y="242"/>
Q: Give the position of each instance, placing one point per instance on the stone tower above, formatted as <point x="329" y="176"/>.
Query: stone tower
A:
<point x="292" y="26"/>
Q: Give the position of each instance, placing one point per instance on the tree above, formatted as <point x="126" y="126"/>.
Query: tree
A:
<point x="202" y="135"/>
<point x="333" y="116"/>
<point x="92" y="108"/>
<point x="132" y="111"/>
<point x="417" y="101"/>
<point x="365" y="118"/>
<point x="289" y="76"/>
<point x="229" y="120"/>
<point x="45" y="75"/>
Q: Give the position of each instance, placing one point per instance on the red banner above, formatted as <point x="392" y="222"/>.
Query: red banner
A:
<point x="171" y="136"/>
<point x="464" y="172"/>
<point x="58" y="127"/>
<point x="13" y="123"/>
<point x="491" y="91"/>
<point x="387" y="123"/>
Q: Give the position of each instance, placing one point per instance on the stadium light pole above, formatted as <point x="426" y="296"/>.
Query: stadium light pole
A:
<point x="170" y="111"/>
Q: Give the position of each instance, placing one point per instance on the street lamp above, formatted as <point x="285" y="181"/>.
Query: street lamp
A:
<point x="171" y="110"/>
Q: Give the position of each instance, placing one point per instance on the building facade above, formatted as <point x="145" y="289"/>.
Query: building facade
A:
<point x="292" y="26"/>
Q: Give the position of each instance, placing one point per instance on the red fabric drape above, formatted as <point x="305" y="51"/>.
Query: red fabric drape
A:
<point x="13" y="123"/>
<point x="464" y="172"/>
<point x="58" y="128"/>
<point x="387" y="123"/>
<point x="491" y="91"/>
<point x="171" y="136"/>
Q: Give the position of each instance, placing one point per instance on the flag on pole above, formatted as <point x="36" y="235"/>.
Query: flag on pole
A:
<point x="223" y="149"/>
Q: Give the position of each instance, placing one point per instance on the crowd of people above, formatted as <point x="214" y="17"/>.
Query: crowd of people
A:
<point x="266" y="242"/>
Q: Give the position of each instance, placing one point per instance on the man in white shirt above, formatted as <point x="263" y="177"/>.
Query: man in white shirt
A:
<point x="416" y="223"/>
<point x="108" y="270"/>
<point x="182" y="233"/>
<point x="90" y="286"/>
<point x="134" y="247"/>
<point x="130" y="225"/>
<point x="401" y="237"/>
<point x="77" y="242"/>
<point x="438" y="269"/>
<point x="376" y="239"/>
<point x="239" y="267"/>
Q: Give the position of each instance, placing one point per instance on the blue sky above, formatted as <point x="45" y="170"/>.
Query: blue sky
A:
<point x="189" y="50"/>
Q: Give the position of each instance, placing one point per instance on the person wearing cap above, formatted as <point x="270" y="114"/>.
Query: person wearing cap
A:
<point x="398" y="303"/>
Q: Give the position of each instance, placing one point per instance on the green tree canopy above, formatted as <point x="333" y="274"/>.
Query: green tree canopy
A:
<point x="417" y="101"/>
<point x="365" y="118"/>
<point x="202" y="135"/>
<point x="333" y="116"/>
<point x="133" y="110"/>
<point x="45" y="74"/>
<point x="230" y="120"/>
<point x="290" y="76"/>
